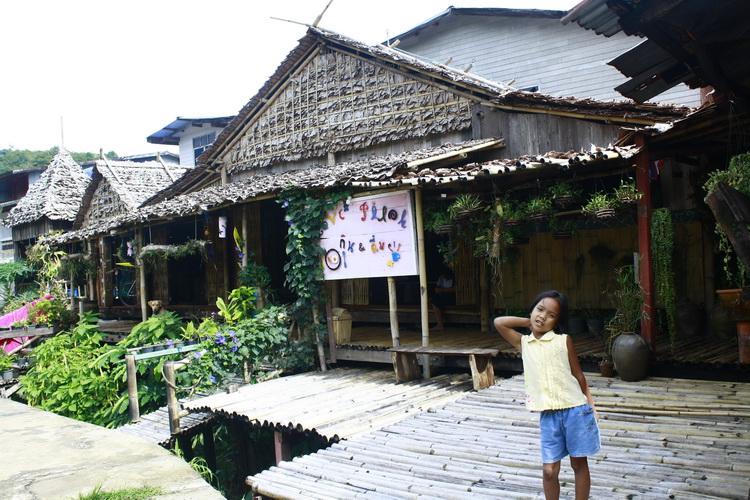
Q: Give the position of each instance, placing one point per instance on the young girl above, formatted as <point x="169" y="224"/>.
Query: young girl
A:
<point x="556" y="387"/>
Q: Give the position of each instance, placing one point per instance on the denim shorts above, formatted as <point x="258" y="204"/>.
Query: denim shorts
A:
<point x="571" y="431"/>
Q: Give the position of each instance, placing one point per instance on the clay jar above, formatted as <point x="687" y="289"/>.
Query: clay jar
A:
<point x="632" y="355"/>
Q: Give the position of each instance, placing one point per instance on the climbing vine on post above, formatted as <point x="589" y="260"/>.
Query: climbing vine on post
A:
<point x="306" y="216"/>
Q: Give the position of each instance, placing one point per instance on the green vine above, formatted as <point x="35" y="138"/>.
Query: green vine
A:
<point x="154" y="253"/>
<point x="305" y="215"/>
<point x="662" y="249"/>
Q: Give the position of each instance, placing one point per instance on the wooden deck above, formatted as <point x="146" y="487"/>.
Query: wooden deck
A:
<point x="704" y="353"/>
<point x="661" y="438"/>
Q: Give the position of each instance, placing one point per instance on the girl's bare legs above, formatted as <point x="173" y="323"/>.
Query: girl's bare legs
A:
<point x="580" y="467"/>
<point x="550" y="474"/>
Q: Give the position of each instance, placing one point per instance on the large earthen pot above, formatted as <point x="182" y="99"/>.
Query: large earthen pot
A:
<point x="632" y="356"/>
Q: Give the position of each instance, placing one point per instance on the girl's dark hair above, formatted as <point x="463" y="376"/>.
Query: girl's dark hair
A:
<point x="562" y="318"/>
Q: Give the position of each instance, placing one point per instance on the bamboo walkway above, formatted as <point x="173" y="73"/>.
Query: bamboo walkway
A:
<point x="155" y="426"/>
<point x="336" y="404"/>
<point x="661" y="438"/>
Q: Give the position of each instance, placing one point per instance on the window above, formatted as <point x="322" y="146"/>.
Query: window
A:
<point x="201" y="143"/>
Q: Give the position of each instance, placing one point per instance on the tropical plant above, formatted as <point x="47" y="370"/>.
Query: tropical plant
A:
<point x="662" y="250"/>
<point x="627" y="297"/>
<point x="48" y="262"/>
<point x="241" y="304"/>
<point x="435" y="219"/>
<point x="511" y="211"/>
<point x="464" y="203"/>
<point x="6" y="360"/>
<point x="598" y="202"/>
<point x="538" y="207"/>
<point x="157" y="329"/>
<point x="51" y="312"/>
<point x="78" y="376"/>
<point x="736" y="176"/>
<point x="10" y="274"/>
<point x="565" y="188"/>
<point x="626" y="192"/>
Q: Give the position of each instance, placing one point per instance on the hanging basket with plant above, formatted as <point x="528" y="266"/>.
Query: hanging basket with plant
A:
<point x="465" y="207"/>
<point x="627" y="194"/>
<point x="566" y="195"/>
<point x="600" y="206"/>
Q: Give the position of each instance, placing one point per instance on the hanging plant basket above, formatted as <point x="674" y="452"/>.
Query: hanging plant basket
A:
<point x="566" y="201"/>
<point x="604" y="213"/>
<point x="444" y="229"/>
<point x="538" y="217"/>
<point x="468" y="215"/>
<point x="512" y="222"/>
<point x="562" y="235"/>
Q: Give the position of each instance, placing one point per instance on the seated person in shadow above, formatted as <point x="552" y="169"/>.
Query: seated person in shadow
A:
<point x="443" y="295"/>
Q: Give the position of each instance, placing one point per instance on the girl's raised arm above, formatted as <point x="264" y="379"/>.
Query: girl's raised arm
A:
<point x="506" y="325"/>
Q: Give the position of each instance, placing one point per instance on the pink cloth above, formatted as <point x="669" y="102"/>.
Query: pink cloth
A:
<point x="20" y="314"/>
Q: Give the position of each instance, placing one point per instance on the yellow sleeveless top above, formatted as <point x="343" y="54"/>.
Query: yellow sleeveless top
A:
<point x="550" y="385"/>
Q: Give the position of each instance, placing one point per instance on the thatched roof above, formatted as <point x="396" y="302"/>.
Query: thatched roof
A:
<point x="439" y="75"/>
<point x="57" y="194"/>
<point x="409" y="168"/>
<point x="122" y="186"/>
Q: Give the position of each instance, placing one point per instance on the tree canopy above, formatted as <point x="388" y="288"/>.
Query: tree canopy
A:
<point x="21" y="159"/>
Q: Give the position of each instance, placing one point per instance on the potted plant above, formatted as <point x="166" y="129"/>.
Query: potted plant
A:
<point x="538" y="208"/>
<point x="562" y="228"/>
<point x="465" y="206"/>
<point x="626" y="193"/>
<point x="600" y="206"/>
<point x="565" y="195"/>
<point x="6" y="366"/>
<point x="511" y="213"/>
<point x="438" y="222"/>
<point x="629" y="351"/>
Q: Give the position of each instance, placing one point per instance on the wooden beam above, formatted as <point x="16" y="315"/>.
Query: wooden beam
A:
<point x="646" y="269"/>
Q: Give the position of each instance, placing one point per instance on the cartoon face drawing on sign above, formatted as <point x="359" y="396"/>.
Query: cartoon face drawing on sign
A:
<point x="333" y="259"/>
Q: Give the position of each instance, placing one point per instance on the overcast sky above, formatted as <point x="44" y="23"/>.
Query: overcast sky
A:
<point x="100" y="74"/>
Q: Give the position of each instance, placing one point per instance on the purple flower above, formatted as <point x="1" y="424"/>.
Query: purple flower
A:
<point x="213" y="379"/>
<point x="198" y="354"/>
<point x="231" y="333"/>
<point x="241" y="255"/>
<point x="234" y="349"/>
<point x="220" y="340"/>
<point x="286" y="203"/>
<point x="290" y="223"/>
<point x="236" y="340"/>
<point x="170" y="342"/>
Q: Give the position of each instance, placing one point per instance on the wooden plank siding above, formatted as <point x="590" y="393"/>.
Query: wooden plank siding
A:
<point x="562" y="60"/>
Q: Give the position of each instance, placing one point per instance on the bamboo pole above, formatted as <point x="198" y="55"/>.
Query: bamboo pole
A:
<point x="135" y="412"/>
<point x="424" y="303"/>
<point x="172" y="407"/>
<point x="141" y="277"/>
<point x="393" y="311"/>
<point x="331" y="333"/>
<point x="318" y="342"/>
<point x="484" y="297"/>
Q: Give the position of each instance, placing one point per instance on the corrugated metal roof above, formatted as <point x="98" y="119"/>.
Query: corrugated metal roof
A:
<point x="172" y="132"/>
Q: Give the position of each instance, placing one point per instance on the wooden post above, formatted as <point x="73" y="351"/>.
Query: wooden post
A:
<point x="393" y="310"/>
<point x="319" y="342"/>
<point x="106" y="273"/>
<point x="646" y="275"/>
<point x="135" y="412"/>
<point x="281" y="446"/>
<point x="484" y="297"/>
<point x="424" y="302"/>
<point x="141" y="276"/>
<point x="331" y="333"/>
<point x="172" y="405"/>
<point x="209" y="449"/>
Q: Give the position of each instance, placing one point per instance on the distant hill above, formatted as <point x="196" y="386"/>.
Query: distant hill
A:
<point x="20" y="159"/>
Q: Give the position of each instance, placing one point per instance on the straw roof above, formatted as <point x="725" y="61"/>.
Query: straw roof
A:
<point x="57" y="194"/>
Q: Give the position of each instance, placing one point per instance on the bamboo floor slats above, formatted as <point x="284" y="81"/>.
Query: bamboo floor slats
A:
<point x="155" y="426"/>
<point x="661" y="438"/>
<point x="705" y="352"/>
<point x="335" y="404"/>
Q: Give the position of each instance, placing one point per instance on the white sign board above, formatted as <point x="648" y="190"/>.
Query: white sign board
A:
<point x="370" y="236"/>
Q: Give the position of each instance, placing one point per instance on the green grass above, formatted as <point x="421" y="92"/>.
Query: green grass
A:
<point x="141" y="493"/>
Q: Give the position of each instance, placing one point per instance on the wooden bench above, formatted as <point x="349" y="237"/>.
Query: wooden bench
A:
<point x="407" y="367"/>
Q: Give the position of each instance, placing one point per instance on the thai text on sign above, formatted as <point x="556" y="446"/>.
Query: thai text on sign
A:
<point x="370" y="236"/>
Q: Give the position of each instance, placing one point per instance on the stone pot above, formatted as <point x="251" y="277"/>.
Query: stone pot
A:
<point x="632" y="356"/>
<point x="607" y="368"/>
<point x="689" y="320"/>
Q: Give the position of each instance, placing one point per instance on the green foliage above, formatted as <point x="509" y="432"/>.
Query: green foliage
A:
<point x="538" y="206"/>
<point x="662" y="250"/>
<point x="50" y="312"/>
<point x="76" y="375"/>
<point x="464" y="202"/>
<point x="736" y="176"/>
<point x="153" y="254"/>
<point x="10" y="274"/>
<point x="155" y="330"/>
<point x="20" y="300"/>
<point x="47" y="261"/>
<point x="599" y="201"/>
<point x="241" y="303"/>
<point x="22" y="159"/>
<point x="142" y="493"/>
<point x="6" y="360"/>
<point x="626" y="192"/>
<point x="565" y="188"/>
<point x="305" y="215"/>
<point x="238" y="349"/>
<point x="255" y="275"/>
<point x="627" y="298"/>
